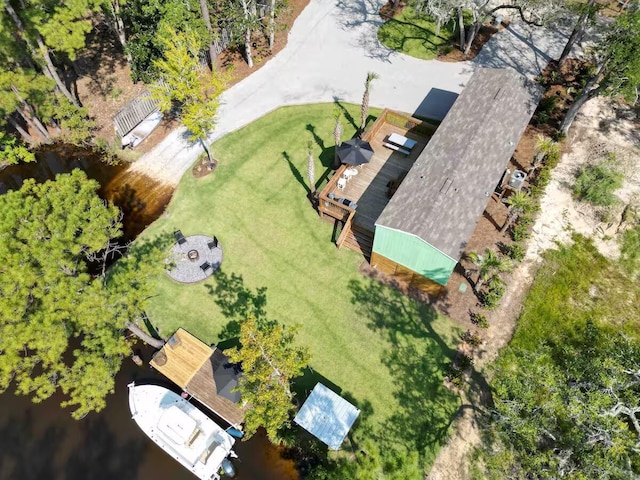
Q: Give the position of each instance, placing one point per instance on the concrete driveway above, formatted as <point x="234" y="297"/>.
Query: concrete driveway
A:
<point x="331" y="47"/>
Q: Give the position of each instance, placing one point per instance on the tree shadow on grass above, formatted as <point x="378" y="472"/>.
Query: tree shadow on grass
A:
<point x="417" y="360"/>
<point x="345" y="113"/>
<point x="296" y="173"/>
<point x="236" y="302"/>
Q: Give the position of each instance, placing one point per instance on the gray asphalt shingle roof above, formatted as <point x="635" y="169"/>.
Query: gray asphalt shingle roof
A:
<point x="447" y="188"/>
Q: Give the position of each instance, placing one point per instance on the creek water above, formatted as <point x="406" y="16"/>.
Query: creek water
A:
<point x="42" y="440"/>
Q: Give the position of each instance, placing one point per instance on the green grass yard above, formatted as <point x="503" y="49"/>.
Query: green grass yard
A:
<point x="413" y="33"/>
<point x="384" y="351"/>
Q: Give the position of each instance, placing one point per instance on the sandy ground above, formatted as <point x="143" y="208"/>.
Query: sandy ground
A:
<point x="599" y="129"/>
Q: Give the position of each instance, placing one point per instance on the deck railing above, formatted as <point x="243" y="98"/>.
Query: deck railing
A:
<point x="346" y="228"/>
<point x="328" y="207"/>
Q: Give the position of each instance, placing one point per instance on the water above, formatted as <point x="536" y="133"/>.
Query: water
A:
<point x="42" y="441"/>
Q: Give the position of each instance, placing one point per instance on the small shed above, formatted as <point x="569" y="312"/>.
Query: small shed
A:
<point x="424" y="230"/>
<point x="327" y="416"/>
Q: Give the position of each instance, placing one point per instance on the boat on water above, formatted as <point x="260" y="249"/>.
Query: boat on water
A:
<point x="182" y="430"/>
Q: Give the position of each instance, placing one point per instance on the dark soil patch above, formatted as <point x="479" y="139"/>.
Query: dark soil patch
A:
<point x="453" y="53"/>
<point x="233" y="59"/>
<point x="202" y="168"/>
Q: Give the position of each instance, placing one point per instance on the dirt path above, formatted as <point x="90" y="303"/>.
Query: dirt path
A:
<point x="601" y="128"/>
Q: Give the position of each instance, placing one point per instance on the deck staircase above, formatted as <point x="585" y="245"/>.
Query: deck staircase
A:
<point x="359" y="240"/>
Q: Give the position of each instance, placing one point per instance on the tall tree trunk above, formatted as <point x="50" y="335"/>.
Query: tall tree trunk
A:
<point x="573" y="110"/>
<point x="337" y="138"/>
<point x="578" y="31"/>
<point x="144" y="336"/>
<point x="54" y="73"/>
<point x="207" y="151"/>
<point x="588" y="92"/>
<point x="247" y="37"/>
<point x="311" y="173"/>
<point x="507" y="223"/>
<point x="206" y="16"/>
<point x="23" y="133"/>
<point x="50" y="69"/>
<point x="272" y="24"/>
<point x="461" y="28"/>
<point x="117" y="25"/>
<point x="35" y="121"/>
<point x="438" y="27"/>
<point x="473" y="31"/>
<point x="29" y="121"/>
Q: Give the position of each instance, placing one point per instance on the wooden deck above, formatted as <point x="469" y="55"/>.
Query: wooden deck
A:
<point x="372" y="188"/>
<point x="369" y="188"/>
<point x="190" y="364"/>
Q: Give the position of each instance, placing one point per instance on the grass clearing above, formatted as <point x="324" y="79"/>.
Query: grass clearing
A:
<point x="414" y="34"/>
<point x="383" y="351"/>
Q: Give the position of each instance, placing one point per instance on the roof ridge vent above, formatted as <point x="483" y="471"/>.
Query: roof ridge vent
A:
<point x="446" y="185"/>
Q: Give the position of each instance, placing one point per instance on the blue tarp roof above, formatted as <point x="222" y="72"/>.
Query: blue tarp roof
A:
<point x="327" y="416"/>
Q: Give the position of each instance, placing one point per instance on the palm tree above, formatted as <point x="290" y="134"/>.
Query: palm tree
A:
<point x="546" y="148"/>
<point x="311" y="169"/>
<point x="337" y="134"/>
<point x="371" y="76"/>
<point x="519" y="203"/>
<point x="487" y="265"/>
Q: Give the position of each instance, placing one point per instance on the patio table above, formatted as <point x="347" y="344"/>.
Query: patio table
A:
<point x="402" y="141"/>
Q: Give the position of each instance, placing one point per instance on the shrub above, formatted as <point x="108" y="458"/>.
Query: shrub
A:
<point x="546" y="108"/>
<point x="495" y="290"/>
<point x="456" y="370"/>
<point x="515" y="252"/>
<point x="479" y="319"/>
<point x="520" y="230"/>
<point x="596" y="183"/>
<point x="472" y="338"/>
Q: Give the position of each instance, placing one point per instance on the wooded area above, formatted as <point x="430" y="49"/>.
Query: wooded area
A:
<point x="40" y="43"/>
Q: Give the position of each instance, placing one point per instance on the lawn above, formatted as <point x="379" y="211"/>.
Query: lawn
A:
<point x="414" y="34"/>
<point x="382" y="350"/>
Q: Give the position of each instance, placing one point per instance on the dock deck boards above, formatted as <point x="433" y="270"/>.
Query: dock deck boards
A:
<point x="190" y="365"/>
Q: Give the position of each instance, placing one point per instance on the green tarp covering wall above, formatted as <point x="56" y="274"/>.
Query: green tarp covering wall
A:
<point x="413" y="253"/>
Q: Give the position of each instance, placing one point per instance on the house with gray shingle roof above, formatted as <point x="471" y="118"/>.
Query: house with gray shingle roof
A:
<point x="426" y="226"/>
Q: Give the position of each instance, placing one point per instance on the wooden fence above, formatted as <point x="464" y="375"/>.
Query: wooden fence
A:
<point x="133" y="113"/>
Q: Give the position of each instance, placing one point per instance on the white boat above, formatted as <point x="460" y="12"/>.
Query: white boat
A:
<point x="182" y="430"/>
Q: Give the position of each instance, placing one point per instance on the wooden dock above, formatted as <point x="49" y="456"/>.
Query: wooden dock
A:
<point x="192" y="365"/>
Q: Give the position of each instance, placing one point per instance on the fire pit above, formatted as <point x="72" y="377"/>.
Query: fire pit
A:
<point x="193" y="255"/>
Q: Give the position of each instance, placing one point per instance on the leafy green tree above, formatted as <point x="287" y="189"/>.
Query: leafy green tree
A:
<point x="12" y="152"/>
<point x="147" y="22"/>
<point x="61" y="327"/>
<point x="270" y="359"/>
<point x="570" y="410"/>
<point x="616" y="65"/>
<point x="52" y="25"/>
<point x="185" y="82"/>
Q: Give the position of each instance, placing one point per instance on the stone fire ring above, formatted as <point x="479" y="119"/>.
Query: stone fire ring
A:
<point x="183" y="264"/>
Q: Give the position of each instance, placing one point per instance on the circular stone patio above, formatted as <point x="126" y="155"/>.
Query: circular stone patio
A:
<point x="194" y="260"/>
